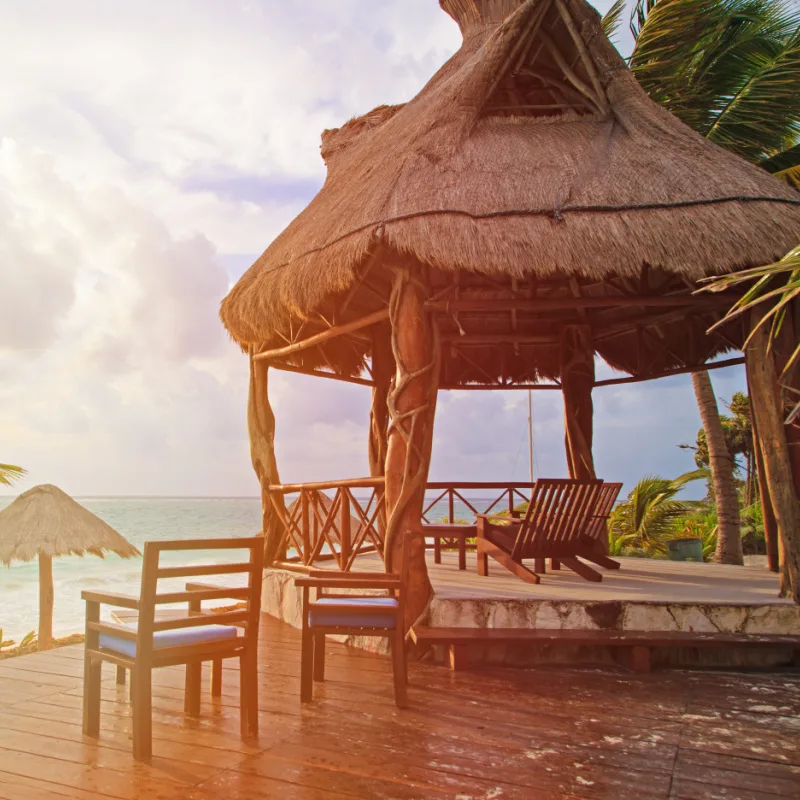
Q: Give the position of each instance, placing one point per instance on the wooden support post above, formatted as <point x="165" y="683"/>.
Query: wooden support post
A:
<point x="765" y="399"/>
<point x="770" y="525"/>
<point x="784" y="347"/>
<point x="458" y="656"/>
<point x="640" y="659"/>
<point x="261" y="429"/>
<point x="304" y="529"/>
<point x="45" y="601"/>
<point x="412" y="405"/>
<point x="344" y="527"/>
<point x="216" y="677"/>
<point x="383" y="368"/>
<point x="577" y="380"/>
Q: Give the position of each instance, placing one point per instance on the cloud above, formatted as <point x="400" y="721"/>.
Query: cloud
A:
<point x="38" y="262"/>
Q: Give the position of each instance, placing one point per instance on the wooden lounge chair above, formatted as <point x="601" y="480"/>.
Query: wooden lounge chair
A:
<point x="161" y="640"/>
<point x="558" y="525"/>
<point x="351" y="613"/>
<point x="597" y="529"/>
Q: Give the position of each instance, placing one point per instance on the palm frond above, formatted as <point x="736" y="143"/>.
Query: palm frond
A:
<point x="613" y="19"/>
<point x="9" y="473"/>
<point x="727" y="68"/>
<point x="785" y="165"/>
<point x="678" y="483"/>
<point x="639" y="15"/>
<point x="673" y="39"/>
<point x="763" y="114"/>
<point x="785" y="273"/>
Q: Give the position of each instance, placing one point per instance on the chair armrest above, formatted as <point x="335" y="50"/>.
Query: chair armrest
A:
<point x="348" y="576"/>
<point x="111" y="599"/>
<point x="337" y="582"/>
<point x="493" y="519"/>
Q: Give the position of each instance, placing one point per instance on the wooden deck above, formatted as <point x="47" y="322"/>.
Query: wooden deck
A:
<point x="490" y="734"/>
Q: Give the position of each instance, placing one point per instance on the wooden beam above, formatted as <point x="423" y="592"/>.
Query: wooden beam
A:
<point x="570" y="75"/>
<point x="479" y="387"/>
<point x="320" y="374"/>
<point x="543" y="304"/>
<point x="730" y="362"/>
<point x="555" y="387"/>
<point x="350" y="483"/>
<point x="332" y="332"/>
<point x="489" y="339"/>
<point x="586" y="58"/>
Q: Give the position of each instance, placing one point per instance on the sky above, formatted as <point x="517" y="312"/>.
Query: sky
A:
<point x="149" y="152"/>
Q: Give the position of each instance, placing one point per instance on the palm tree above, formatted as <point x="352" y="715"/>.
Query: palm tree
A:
<point x="651" y="513"/>
<point x="729" y="540"/>
<point x="738" y="430"/>
<point x="9" y="473"/>
<point x="729" y="69"/>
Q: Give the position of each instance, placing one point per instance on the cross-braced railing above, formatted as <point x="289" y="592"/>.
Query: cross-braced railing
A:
<point x="495" y="498"/>
<point x="327" y="522"/>
<point x="338" y="520"/>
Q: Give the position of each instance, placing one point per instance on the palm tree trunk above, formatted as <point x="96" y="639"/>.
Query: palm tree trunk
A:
<point x="729" y="540"/>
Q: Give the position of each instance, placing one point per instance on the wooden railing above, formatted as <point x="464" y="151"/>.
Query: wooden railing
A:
<point x="499" y="497"/>
<point x="325" y="521"/>
<point x="338" y="520"/>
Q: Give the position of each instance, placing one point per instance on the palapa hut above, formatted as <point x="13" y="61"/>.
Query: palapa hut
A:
<point x="531" y="207"/>
<point x="46" y="522"/>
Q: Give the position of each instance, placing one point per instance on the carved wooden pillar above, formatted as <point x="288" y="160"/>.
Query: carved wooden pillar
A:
<point x="784" y="347"/>
<point x="577" y="381"/>
<point x="261" y="429"/>
<point x="412" y="406"/>
<point x="383" y="368"/>
<point x="765" y="401"/>
<point x="771" y="537"/>
<point x="770" y="525"/>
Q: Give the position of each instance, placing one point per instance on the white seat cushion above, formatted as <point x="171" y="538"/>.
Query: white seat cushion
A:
<point x="175" y="638"/>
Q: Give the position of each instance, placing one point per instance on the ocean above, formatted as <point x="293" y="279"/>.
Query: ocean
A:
<point x="138" y="520"/>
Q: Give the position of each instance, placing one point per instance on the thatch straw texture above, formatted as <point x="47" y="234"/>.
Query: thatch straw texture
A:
<point x="46" y="520"/>
<point x="461" y="179"/>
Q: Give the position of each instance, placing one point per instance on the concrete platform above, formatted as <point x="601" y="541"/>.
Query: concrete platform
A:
<point x="644" y="594"/>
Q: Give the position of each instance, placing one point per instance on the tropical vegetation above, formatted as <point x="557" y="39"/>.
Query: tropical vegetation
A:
<point x="652" y="516"/>
<point x="6" y="644"/>
<point x="730" y="70"/>
<point x="737" y="429"/>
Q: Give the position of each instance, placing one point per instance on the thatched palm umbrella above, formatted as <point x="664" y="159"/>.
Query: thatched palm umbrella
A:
<point x="46" y="522"/>
<point x="531" y="207"/>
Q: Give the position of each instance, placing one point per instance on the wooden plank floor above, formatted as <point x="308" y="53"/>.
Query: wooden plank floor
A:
<point x="489" y="734"/>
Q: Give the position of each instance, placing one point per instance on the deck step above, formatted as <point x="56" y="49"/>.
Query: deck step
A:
<point x="639" y="643"/>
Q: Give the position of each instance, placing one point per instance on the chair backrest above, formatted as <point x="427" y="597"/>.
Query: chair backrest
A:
<point x="598" y="528"/>
<point x="558" y="514"/>
<point x="150" y="598"/>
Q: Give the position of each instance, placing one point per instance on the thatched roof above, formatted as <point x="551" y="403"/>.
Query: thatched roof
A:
<point x="46" y="520"/>
<point x="501" y="170"/>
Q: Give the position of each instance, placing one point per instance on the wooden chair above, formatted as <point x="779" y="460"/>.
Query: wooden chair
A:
<point x="597" y="530"/>
<point x="191" y="637"/>
<point x="351" y="613"/>
<point x="555" y="526"/>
